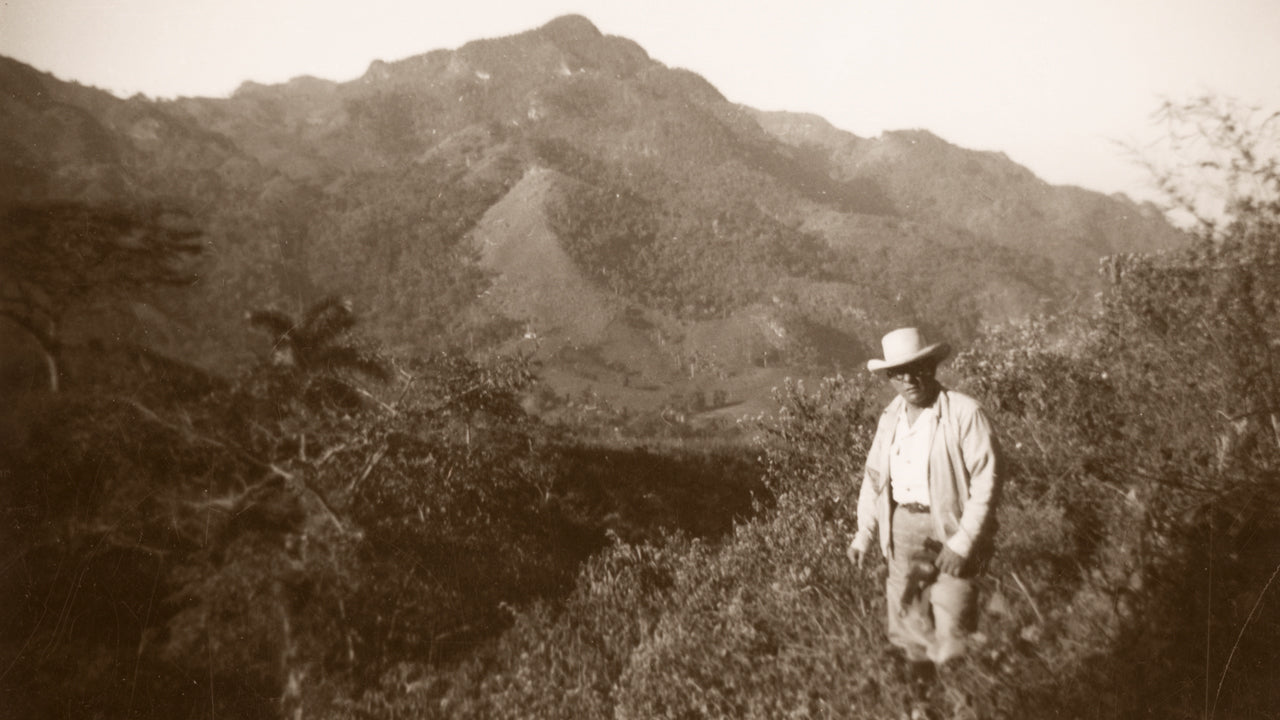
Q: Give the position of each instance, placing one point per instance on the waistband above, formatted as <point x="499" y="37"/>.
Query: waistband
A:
<point x="917" y="508"/>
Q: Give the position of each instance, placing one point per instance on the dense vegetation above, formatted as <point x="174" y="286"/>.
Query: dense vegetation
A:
<point x="294" y="534"/>
<point x="1136" y="571"/>
<point x="703" y="254"/>
<point x="346" y="530"/>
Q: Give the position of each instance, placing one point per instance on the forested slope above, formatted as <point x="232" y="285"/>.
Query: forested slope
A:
<point x="284" y="446"/>
<point x="683" y="206"/>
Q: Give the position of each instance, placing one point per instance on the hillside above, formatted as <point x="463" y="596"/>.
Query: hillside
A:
<point x="983" y="193"/>
<point x="561" y="192"/>
<point x="446" y="393"/>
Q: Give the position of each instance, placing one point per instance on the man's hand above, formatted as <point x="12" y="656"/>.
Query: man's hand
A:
<point x="855" y="555"/>
<point x="950" y="562"/>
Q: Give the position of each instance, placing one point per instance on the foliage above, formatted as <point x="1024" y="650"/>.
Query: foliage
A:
<point x="388" y="119"/>
<point x="692" y="250"/>
<point x="1135" y="569"/>
<point x="1218" y="164"/>
<point x="279" y="553"/>
<point x="312" y="364"/>
<point x="281" y="542"/>
<point x="62" y="257"/>
<point x="426" y="549"/>
<point x="1088" y="599"/>
<point x="400" y="249"/>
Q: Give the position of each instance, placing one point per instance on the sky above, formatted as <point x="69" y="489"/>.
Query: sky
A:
<point x="1061" y="87"/>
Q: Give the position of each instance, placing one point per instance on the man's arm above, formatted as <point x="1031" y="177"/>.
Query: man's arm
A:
<point x="978" y="448"/>
<point x="868" y="520"/>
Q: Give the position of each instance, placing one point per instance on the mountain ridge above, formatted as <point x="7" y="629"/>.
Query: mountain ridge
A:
<point x="737" y="239"/>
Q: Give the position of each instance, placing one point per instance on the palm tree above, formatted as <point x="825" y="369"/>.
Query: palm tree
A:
<point x="314" y="353"/>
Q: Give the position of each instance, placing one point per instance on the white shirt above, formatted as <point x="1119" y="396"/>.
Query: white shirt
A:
<point x="909" y="457"/>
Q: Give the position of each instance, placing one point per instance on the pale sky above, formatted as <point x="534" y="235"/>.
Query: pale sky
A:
<point x="1054" y="85"/>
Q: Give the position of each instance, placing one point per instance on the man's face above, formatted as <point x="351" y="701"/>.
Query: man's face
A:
<point x="915" y="382"/>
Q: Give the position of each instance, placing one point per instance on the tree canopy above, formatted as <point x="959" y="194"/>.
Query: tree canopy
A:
<point x="60" y="257"/>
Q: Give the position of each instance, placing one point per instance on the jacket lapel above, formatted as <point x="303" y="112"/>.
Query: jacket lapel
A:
<point x="937" y="441"/>
<point x="888" y="425"/>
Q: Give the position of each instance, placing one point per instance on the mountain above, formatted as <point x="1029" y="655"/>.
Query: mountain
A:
<point x="559" y="192"/>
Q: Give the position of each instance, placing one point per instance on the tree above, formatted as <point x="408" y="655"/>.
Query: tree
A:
<point x="1220" y="170"/>
<point x="61" y="257"/>
<point x="1219" y="166"/>
<point x="312" y="355"/>
<point x="1190" y="339"/>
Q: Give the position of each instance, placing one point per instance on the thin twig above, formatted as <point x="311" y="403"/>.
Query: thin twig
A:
<point x="405" y="391"/>
<point x="1208" y="627"/>
<point x="330" y="452"/>
<point x="268" y="466"/>
<point x="368" y="468"/>
<point x="371" y="396"/>
<point x="1239" y="636"/>
<point x="1108" y="486"/>
<point x="1030" y="599"/>
<point x="324" y="501"/>
<point x="194" y="436"/>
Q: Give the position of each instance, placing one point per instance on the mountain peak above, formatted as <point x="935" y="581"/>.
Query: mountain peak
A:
<point x="571" y="29"/>
<point x="588" y="48"/>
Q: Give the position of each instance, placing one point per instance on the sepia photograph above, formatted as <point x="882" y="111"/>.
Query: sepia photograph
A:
<point x="830" y="359"/>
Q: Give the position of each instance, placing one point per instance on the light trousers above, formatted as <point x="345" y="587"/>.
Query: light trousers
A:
<point x="935" y="625"/>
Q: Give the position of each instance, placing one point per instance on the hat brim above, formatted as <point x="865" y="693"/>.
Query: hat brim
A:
<point x="937" y="351"/>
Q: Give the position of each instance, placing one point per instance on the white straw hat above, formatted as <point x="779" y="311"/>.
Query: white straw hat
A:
<point x="905" y="346"/>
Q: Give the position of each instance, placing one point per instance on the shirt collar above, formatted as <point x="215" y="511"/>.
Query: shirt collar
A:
<point x="935" y="409"/>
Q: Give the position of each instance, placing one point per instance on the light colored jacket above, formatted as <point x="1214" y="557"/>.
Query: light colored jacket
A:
<point x="964" y="483"/>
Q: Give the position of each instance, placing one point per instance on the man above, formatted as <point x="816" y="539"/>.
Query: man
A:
<point x="931" y="478"/>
